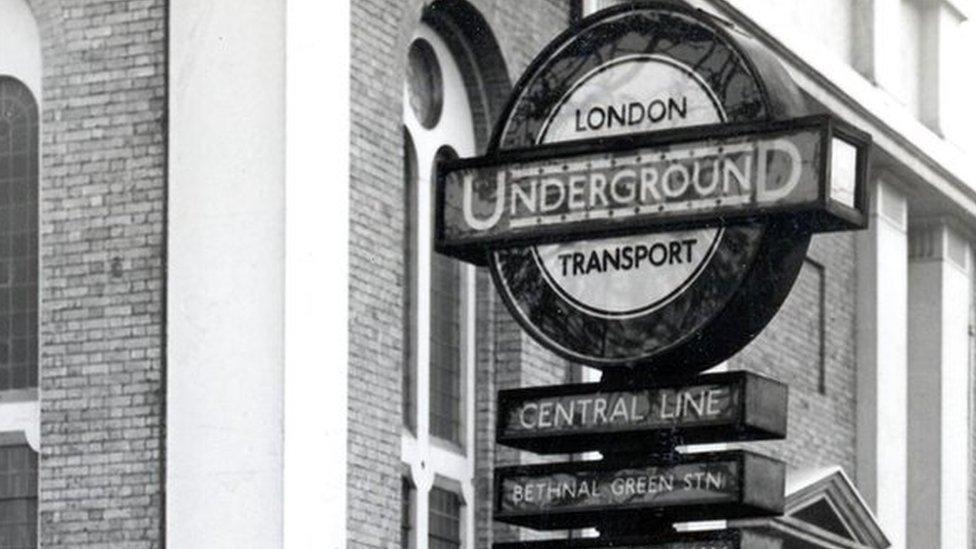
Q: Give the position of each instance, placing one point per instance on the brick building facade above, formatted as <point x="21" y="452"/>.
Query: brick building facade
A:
<point x="94" y="418"/>
<point x="843" y="340"/>
<point x="160" y="348"/>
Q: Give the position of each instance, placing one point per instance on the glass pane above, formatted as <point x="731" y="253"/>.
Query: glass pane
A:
<point x="18" y="497"/>
<point x="409" y="282"/>
<point x="18" y="235"/>
<point x="444" y="520"/>
<point x="18" y="524"/>
<point x="406" y="514"/>
<point x="425" y="83"/>
<point x="445" y="341"/>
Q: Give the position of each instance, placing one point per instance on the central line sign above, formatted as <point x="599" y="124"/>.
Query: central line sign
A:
<point x="734" y="406"/>
<point x="810" y="167"/>
<point x="688" y="488"/>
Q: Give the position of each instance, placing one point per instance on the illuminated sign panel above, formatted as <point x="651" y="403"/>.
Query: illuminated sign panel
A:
<point x="811" y="169"/>
<point x="693" y="487"/>
<point x="574" y="418"/>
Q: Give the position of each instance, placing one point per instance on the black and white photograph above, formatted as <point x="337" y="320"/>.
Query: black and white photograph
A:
<point x="662" y="274"/>
<point x="487" y="274"/>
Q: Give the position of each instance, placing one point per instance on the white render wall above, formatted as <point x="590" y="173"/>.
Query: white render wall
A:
<point x="827" y="23"/>
<point x="911" y="51"/>
<point x="225" y="280"/>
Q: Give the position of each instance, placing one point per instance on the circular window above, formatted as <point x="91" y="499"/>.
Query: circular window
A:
<point x="425" y="84"/>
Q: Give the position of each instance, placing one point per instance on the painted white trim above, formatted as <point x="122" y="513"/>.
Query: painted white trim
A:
<point x="20" y="45"/>
<point x="316" y="275"/>
<point x="22" y="417"/>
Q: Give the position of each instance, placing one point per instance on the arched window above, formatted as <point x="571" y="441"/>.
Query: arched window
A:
<point x="18" y="235"/>
<point x="439" y="125"/>
<point x="439" y="312"/>
<point x="446" y="347"/>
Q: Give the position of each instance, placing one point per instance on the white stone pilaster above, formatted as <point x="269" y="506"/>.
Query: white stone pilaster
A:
<point x="882" y="301"/>
<point x="316" y="420"/>
<point x="225" y="274"/>
<point x="939" y="293"/>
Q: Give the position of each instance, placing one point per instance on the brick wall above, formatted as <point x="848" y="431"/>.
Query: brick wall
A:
<point x="375" y="274"/>
<point x="821" y="424"/>
<point x="102" y="207"/>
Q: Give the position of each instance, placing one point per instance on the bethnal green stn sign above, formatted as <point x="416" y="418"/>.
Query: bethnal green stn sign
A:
<point x="649" y="193"/>
<point x="704" y="486"/>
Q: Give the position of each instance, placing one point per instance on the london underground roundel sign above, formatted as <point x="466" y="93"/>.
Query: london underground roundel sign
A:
<point x="658" y="134"/>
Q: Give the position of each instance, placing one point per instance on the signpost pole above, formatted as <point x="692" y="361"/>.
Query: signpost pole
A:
<point x="665" y="449"/>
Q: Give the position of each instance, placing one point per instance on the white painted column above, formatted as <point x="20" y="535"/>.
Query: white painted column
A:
<point x="316" y="276"/>
<point x="939" y="293"/>
<point x="225" y="278"/>
<point x="882" y="325"/>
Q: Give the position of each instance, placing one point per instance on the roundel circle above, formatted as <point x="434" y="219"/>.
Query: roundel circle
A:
<point x="639" y="90"/>
<point x="668" y="302"/>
